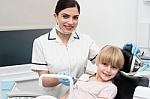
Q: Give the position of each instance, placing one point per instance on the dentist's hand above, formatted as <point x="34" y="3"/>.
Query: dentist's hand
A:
<point x="132" y="48"/>
<point x="65" y="81"/>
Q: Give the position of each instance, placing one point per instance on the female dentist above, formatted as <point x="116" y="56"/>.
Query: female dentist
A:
<point x="63" y="50"/>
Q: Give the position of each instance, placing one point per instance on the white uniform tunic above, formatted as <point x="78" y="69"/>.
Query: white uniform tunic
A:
<point x="49" y="53"/>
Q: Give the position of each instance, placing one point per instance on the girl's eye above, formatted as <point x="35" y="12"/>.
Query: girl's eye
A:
<point x="105" y="64"/>
<point x="114" y="67"/>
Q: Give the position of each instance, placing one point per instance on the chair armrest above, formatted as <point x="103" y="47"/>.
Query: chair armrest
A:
<point x="126" y="85"/>
<point x="141" y="92"/>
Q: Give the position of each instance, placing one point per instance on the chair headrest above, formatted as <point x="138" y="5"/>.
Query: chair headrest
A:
<point x="127" y="61"/>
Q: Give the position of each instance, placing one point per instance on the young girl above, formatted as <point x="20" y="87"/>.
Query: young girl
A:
<point x="100" y="86"/>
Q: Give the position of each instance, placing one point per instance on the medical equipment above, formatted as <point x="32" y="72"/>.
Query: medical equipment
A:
<point x="132" y="48"/>
<point x="136" y="64"/>
<point x="55" y="76"/>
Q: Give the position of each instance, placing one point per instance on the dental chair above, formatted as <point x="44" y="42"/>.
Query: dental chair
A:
<point x="127" y="84"/>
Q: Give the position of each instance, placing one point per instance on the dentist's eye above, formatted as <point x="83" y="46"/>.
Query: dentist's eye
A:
<point x="75" y="17"/>
<point x="65" y="16"/>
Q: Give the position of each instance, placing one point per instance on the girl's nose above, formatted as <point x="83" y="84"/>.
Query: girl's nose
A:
<point x="108" y="68"/>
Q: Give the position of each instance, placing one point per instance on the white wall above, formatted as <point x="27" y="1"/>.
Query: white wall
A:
<point x="26" y="14"/>
<point x="109" y="21"/>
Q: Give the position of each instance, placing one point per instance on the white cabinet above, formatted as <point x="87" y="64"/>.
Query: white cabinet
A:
<point x="143" y="23"/>
<point x="143" y="35"/>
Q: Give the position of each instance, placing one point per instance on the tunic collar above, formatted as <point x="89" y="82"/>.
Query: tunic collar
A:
<point x="53" y="35"/>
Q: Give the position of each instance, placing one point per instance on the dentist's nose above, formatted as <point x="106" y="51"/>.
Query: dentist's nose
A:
<point x="70" y="21"/>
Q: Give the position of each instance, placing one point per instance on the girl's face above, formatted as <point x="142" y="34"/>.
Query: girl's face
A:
<point x="106" y="72"/>
<point x="67" y="19"/>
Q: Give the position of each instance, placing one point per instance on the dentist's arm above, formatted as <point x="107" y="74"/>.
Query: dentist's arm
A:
<point x="46" y="81"/>
<point x="38" y="57"/>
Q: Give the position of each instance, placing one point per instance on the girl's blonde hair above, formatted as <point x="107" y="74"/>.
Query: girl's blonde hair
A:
<point x="110" y="55"/>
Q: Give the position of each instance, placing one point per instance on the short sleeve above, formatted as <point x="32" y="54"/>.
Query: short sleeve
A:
<point x="109" y="92"/>
<point x="38" y="60"/>
<point x="94" y="49"/>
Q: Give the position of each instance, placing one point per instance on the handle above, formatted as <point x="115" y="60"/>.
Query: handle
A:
<point x="58" y="76"/>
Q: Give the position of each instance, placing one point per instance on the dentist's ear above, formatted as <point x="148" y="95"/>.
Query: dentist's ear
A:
<point x="55" y="16"/>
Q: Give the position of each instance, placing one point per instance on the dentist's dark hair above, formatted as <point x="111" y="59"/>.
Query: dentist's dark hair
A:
<point x="63" y="4"/>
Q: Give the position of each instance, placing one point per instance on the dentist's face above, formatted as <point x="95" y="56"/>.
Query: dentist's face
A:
<point x="67" y="19"/>
<point x="106" y="72"/>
